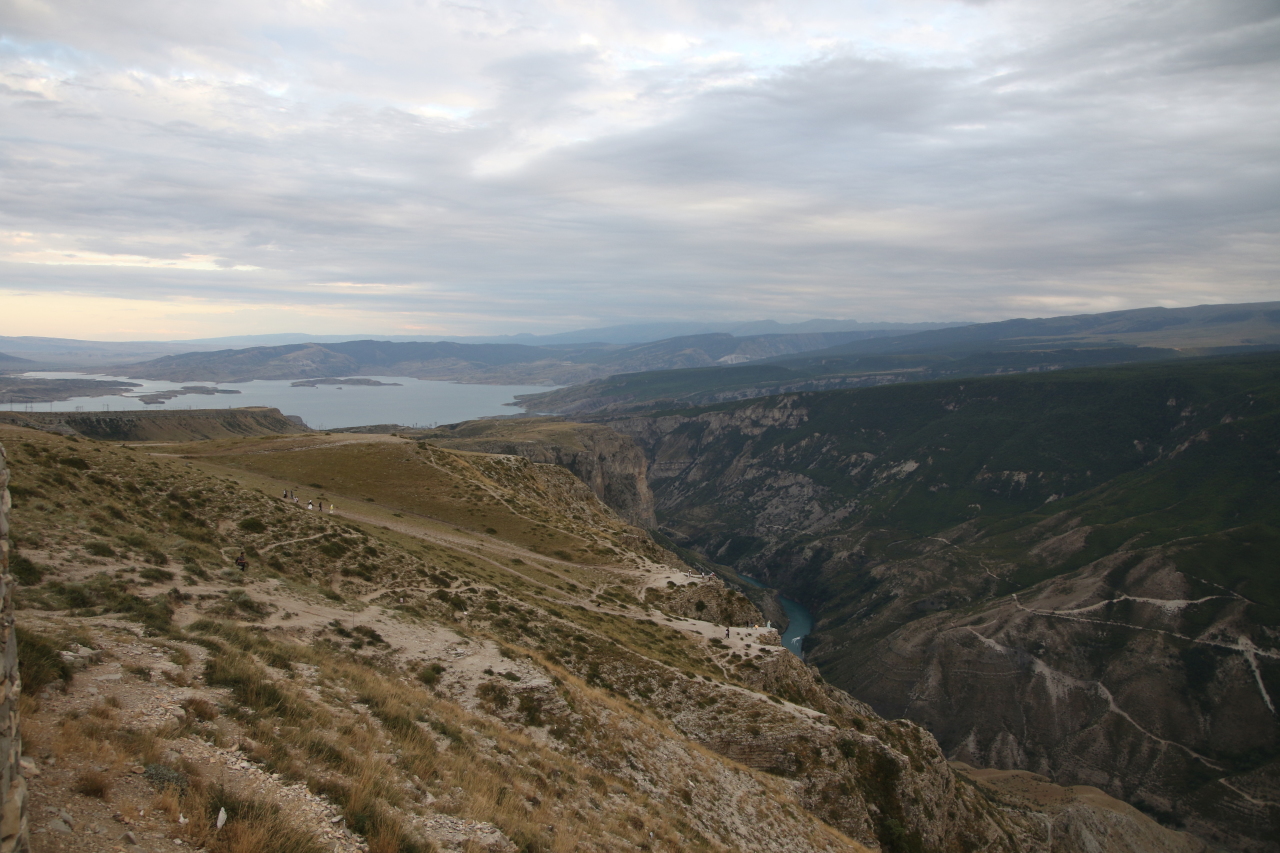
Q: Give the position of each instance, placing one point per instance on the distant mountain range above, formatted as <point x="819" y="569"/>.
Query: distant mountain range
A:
<point x="695" y="369"/>
<point x="1010" y="346"/>
<point x="70" y="353"/>
<point x="631" y="333"/>
<point x="508" y="364"/>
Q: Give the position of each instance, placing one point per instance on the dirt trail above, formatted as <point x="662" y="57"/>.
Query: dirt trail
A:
<point x="144" y="683"/>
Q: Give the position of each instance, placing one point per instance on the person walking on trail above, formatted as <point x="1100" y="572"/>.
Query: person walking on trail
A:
<point x="310" y="505"/>
<point x="241" y="563"/>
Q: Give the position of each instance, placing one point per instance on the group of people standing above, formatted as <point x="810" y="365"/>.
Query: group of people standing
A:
<point x="290" y="494"/>
<point x="242" y="563"/>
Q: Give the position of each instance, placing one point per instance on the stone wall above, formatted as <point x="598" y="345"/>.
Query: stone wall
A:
<point x="13" y="812"/>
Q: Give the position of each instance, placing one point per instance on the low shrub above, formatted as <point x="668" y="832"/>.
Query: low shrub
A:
<point x="39" y="663"/>
<point x="27" y="572"/>
<point x="252" y="525"/>
<point x="93" y="783"/>
<point x="99" y="549"/>
<point x="431" y="673"/>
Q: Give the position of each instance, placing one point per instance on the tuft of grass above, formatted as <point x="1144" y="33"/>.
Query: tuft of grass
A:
<point x="254" y="825"/>
<point x="141" y="671"/>
<point x="239" y="603"/>
<point x="39" y="663"/>
<point x="93" y="783"/>
<point x="201" y="709"/>
<point x="250" y="684"/>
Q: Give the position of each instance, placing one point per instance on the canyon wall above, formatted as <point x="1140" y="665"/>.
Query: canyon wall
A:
<point x="609" y="462"/>
<point x="1066" y="574"/>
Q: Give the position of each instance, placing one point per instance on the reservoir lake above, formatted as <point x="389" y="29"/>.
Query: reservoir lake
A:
<point x="413" y="403"/>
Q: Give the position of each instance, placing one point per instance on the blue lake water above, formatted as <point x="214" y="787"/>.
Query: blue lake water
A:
<point x="799" y="620"/>
<point x="414" y="402"/>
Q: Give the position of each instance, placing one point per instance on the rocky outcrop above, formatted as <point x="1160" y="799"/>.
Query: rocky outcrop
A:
<point x="186" y="425"/>
<point x="13" y="787"/>
<point x="1099" y="678"/>
<point x="610" y="463"/>
<point x="1079" y="819"/>
<point x="709" y="601"/>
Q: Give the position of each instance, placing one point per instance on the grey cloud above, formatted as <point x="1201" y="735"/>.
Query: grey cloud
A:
<point x="1128" y="155"/>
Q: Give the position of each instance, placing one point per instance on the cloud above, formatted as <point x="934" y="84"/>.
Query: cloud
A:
<point x="507" y="166"/>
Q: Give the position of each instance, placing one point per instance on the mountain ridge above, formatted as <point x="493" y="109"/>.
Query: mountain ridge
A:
<point x="1009" y="346"/>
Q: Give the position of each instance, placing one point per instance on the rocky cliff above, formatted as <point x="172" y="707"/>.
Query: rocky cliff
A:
<point x="709" y="600"/>
<point x="1065" y="574"/>
<point x="609" y="462"/>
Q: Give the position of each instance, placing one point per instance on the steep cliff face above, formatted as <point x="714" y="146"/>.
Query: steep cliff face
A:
<point x="610" y="463"/>
<point x="1065" y="574"/>
<point x="1132" y="678"/>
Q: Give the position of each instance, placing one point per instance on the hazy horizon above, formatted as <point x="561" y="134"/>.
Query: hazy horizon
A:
<point x="736" y="327"/>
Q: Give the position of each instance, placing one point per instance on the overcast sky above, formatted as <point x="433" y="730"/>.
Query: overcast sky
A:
<point x="188" y="169"/>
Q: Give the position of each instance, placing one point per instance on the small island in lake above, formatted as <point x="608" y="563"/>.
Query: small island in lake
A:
<point x="312" y="383"/>
<point x="162" y="396"/>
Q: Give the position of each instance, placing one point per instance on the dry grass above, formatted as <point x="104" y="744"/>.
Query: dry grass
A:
<point x="254" y="824"/>
<point x="473" y="491"/>
<point x="375" y="740"/>
<point x="522" y="798"/>
<point x="93" y="783"/>
<point x="201" y="709"/>
<point x="39" y="663"/>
